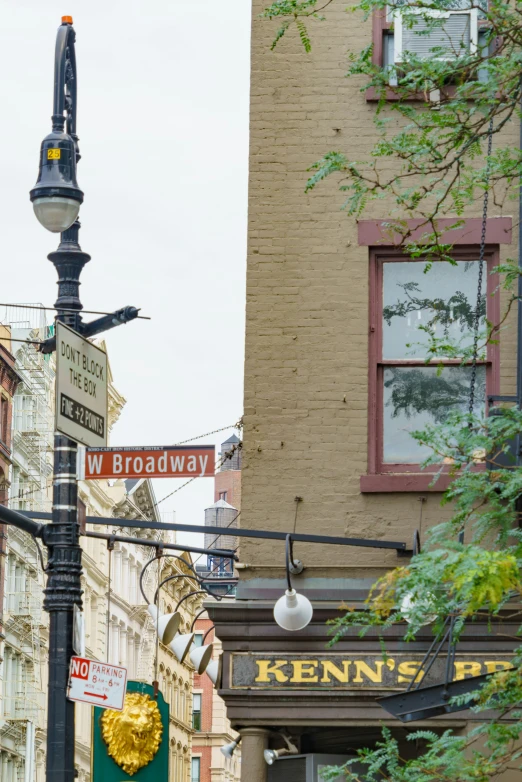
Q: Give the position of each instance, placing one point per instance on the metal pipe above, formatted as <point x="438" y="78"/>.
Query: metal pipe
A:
<point x="519" y="308"/>
<point x="21" y="521"/>
<point x="225" y="553"/>
<point x="399" y="546"/>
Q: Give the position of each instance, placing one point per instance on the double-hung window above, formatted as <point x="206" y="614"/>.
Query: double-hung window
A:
<point x="195" y="770"/>
<point x="196" y="711"/>
<point x="406" y="393"/>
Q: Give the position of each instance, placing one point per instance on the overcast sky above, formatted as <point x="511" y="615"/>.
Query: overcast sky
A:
<point x="163" y="126"/>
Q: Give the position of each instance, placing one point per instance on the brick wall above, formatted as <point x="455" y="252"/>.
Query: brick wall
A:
<point x="229" y="481"/>
<point x="306" y="369"/>
<point x="203" y="685"/>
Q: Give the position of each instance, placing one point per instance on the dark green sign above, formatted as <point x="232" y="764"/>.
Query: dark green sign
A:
<point x="131" y="736"/>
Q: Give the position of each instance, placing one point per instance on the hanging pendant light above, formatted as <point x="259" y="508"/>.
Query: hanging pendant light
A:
<point x="292" y="611"/>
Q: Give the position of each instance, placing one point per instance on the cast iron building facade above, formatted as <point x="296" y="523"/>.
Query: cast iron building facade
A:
<point x="324" y="363"/>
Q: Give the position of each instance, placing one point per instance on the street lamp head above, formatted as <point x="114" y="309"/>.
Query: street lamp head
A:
<point x="213" y="671"/>
<point x="228" y="749"/>
<point x="56" y="196"/>
<point x="200" y="657"/>
<point x="181" y="645"/>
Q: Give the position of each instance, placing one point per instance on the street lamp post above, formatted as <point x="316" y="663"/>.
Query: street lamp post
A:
<point x="56" y="201"/>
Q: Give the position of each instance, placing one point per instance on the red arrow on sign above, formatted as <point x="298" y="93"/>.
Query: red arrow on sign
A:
<point x="95" y="695"/>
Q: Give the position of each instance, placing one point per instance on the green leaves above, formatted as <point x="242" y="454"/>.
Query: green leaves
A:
<point x="295" y="10"/>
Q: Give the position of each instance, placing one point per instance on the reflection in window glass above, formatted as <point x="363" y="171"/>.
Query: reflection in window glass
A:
<point x="417" y="396"/>
<point x="443" y="299"/>
<point x="196" y="711"/>
<point x="196" y="763"/>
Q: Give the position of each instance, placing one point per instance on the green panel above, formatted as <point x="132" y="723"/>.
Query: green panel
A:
<point x="104" y="769"/>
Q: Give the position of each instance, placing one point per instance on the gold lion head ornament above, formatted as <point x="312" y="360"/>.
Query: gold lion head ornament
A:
<point x="133" y="735"/>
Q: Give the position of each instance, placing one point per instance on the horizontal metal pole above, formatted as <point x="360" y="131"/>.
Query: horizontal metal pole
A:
<point x="225" y="553"/>
<point x="241" y="533"/>
<point x="20" y="520"/>
<point x="501" y="398"/>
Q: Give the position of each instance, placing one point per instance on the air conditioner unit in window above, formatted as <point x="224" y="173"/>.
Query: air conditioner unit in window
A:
<point x="308" y="768"/>
<point x="457" y="35"/>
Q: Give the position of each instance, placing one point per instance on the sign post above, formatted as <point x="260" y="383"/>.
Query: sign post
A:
<point x="81" y="388"/>
<point x="100" y="684"/>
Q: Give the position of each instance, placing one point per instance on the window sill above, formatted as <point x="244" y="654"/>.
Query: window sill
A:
<point x="402" y="482"/>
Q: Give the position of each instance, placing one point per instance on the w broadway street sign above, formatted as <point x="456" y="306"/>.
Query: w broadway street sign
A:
<point x="98" y="683"/>
<point x="81" y="388"/>
<point x="165" y="461"/>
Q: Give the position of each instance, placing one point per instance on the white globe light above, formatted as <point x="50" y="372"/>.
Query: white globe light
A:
<point x="293" y="611"/>
<point x="410" y="605"/>
<point x="56" y="213"/>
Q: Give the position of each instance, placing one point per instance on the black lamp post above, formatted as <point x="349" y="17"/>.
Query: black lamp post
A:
<point x="56" y="199"/>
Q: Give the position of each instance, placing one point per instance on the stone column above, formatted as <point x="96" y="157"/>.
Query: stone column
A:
<point x="254" y="741"/>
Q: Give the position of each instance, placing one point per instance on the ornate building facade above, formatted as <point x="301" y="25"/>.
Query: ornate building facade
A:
<point x="117" y="625"/>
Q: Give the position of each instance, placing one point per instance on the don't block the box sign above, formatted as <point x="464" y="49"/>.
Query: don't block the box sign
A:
<point x="81" y="388"/>
<point x="350" y="672"/>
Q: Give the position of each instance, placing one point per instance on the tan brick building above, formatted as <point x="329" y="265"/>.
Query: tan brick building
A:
<point x="327" y="417"/>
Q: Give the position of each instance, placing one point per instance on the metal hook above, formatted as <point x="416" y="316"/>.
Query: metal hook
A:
<point x="416" y="543"/>
<point x="293" y="566"/>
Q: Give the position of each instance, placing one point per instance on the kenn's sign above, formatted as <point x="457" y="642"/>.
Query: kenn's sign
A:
<point x="352" y="672"/>
<point x="181" y="461"/>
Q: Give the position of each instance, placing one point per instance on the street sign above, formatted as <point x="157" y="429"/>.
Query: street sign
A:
<point x="81" y="388"/>
<point x="98" y="683"/>
<point x="78" y="632"/>
<point x="181" y="461"/>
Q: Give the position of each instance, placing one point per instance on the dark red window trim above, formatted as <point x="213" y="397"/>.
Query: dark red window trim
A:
<point x="372" y="233"/>
<point x="379" y="26"/>
<point x="385" y="477"/>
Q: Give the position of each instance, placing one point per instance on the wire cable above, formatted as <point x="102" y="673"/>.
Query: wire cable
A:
<point x="63" y="309"/>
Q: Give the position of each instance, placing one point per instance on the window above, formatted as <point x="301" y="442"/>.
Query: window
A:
<point x="223" y="495"/>
<point x="196" y="711"/>
<point x="198" y="639"/>
<point x="4" y="409"/>
<point x="195" y="770"/>
<point x="405" y="393"/>
<point x="463" y="29"/>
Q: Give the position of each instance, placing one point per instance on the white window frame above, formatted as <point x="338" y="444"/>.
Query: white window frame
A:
<point x="398" y="28"/>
